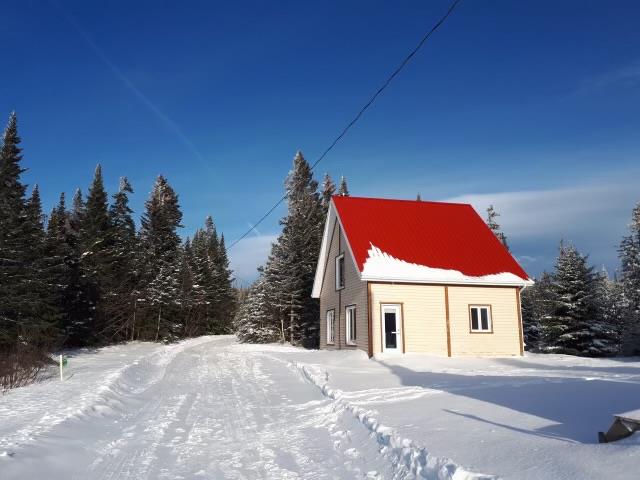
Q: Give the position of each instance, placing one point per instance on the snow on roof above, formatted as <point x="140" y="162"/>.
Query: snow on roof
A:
<point x="420" y="241"/>
<point x="382" y="266"/>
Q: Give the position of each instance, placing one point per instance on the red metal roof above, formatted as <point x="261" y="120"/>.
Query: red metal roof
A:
<point x="450" y="236"/>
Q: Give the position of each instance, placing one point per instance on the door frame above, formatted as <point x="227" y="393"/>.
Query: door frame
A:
<point x="399" y="326"/>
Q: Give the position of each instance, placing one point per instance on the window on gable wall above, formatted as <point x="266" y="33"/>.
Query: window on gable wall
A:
<point x="340" y="272"/>
<point x="350" y="315"/>
<point x="331" y="326"/>
<point x="480" y="318"/>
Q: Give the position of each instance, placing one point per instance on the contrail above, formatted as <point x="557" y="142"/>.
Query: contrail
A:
<point x="170" y="124"/>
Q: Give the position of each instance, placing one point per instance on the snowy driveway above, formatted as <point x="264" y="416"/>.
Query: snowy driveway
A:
<point x="211" y="411"/>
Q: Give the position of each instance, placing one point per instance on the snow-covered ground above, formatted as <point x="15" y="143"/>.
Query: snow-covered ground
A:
<point x="211" y="408"/>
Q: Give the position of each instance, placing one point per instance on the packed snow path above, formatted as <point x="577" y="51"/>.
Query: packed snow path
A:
<point x="212" y="412"/>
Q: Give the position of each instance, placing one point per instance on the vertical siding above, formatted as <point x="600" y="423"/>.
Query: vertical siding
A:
<point x="354" y="293"/>
<point x="424" y="316"/>
<point x="505" y="339"/>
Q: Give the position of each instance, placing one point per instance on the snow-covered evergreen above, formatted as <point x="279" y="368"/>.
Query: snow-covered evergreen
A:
<point x="28" y="317"/>
<point x="343" y="190"/>
<point x="630" y="278"/>
<point x="572" y="310"/>
<point x="281" y="300"/>
<point x="88" y="278"/>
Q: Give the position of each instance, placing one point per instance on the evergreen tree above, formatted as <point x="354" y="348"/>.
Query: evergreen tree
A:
<point x="96" y="225"/>
<point x="27" y="320"/>
<point x="280" y="301"/>
<point x="343" y="190"/>
<point x="328" y="190"/>
<point x="160" y="270"/>
<point x="537" y="306"/>
<point x="254" y="323"/>
<point x="12" y="215"/>
<point x="611" y="310"/>
<point x="121" y="275"/>
<point x="629" y="252"/>
<point x="94" y="242"/>
<point x="300" y="239"/>
<point x="78" y="213"/>
<point x="66" y="282"/>
<point x="227" y="303"/>
<point x="574" y="324"/>
<point x="188" y="291"/>
<point x="161" y="220"/>
<point x="494" y="227"/>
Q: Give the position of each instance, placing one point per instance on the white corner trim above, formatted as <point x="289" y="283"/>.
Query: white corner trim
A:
<point x="324" y="251"/>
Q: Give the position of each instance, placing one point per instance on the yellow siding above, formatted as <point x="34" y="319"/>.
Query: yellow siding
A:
<point x="354" y="293"/>
<point x="505" y="339"/>
<point x="423" y="311"/>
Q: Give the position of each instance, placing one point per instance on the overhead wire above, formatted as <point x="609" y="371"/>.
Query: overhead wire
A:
<point x="355" y="119"/>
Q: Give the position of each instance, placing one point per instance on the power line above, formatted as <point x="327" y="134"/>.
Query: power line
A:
<point x="344" y="131"/>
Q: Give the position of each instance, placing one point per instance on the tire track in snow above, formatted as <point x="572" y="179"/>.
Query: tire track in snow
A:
<point x="211" y="411"/>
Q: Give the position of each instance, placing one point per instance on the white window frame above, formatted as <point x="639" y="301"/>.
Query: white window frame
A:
<point x="479" y="308"/>
<point x="350" y="315"/>
<point x="338" y="270"/>
<point x="331" y="327"/>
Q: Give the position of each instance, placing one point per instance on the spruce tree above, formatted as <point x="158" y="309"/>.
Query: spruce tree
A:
<point x="537" y="306"/>
<point x="12" y="216"/>
<point x="95" y="241"/>
<point x="121" y="275"/>
<point x="78" y="213"/>
<point x="328" y="190"/>
<point x="494" y="227"/>
<point x="343" y="190"/>
<point x="280" y="302"/>
<point x="188" y="288"/>
<point x="629" y="253"/>
<point x="254" y="322"/>
<point x="27" y="320"/>
<point x="96" y="223"/>
<point x="574" y="323"/>
<point x="160" y="267"/>
<point x="66" y="280"/>
<point x="226" y="295"/>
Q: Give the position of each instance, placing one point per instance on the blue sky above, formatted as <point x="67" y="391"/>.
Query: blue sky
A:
<point x="532" y="106"/>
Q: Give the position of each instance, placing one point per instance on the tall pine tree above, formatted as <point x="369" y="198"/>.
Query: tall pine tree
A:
<point x="27" y="319"/>
<point x="121" y="275"/>
<point x="160" y="268"/>
<point x="629" y="252"/>
<point x="343" y="190"/>
<point x="573" y="324"/>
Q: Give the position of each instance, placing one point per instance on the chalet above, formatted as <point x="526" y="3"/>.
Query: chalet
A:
<point x="415" y="276"/>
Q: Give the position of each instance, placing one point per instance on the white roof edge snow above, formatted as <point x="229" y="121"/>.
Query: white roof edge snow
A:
<point x="382" y="266"/>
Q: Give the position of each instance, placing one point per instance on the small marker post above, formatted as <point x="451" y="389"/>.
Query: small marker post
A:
<point x="61" y="375"/>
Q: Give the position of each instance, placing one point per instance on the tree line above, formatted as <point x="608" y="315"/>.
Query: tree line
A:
<point x="577" y="310"/>
<point x="85" y="276"/>
<point x="278" y="306"/>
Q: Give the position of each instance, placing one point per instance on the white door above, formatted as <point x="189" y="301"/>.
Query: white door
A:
<point x="391" y="328"/>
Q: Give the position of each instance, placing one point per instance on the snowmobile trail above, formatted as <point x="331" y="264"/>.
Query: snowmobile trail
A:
<point x="216" y="412"/>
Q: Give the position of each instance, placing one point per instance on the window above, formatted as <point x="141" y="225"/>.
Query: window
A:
<point x="340" y="272"/>
<point x="331" y="327"/>
<point x="351" y="324"/>
<point x="481" y="318"/>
